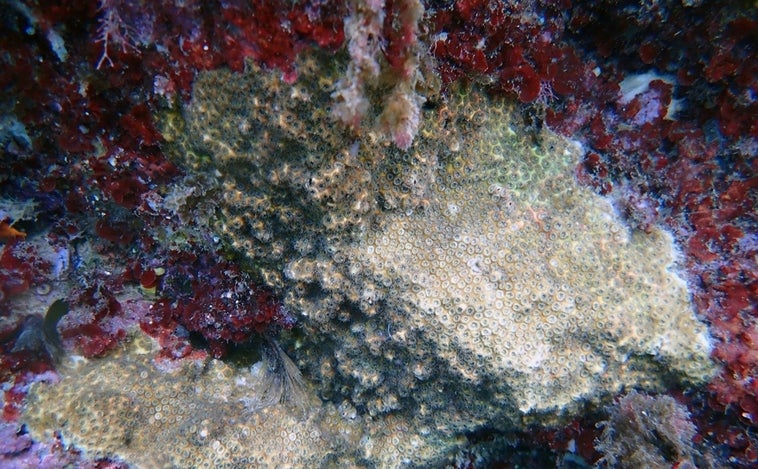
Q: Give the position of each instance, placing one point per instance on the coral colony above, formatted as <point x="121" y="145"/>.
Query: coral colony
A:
<point x="384" y="233"/>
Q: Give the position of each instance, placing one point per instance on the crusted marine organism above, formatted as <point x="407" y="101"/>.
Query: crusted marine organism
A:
<point x="471" y="268"/>
<point x="289" y="177"/>
<point x="123" y="408"/>
<point x="647" y="431"/>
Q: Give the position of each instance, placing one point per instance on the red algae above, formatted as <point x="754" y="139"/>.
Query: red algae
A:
<point x="90" y="324"/>
<point x="21" y="266"/>
<point x="205" y="295"/>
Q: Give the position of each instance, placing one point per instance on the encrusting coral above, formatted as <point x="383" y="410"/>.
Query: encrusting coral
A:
<point x="467" y="283"/>
<point x="473" y="257"/>
<point x="199" y="415"/>
<point x="195" y="416"/>
<point x="103" y="191"/>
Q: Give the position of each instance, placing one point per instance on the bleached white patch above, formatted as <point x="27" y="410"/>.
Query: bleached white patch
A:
<point x="634" y="85"/>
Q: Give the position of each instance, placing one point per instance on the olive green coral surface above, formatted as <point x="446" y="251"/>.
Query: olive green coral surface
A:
<point x="197" y="415"/>
<point x="467" y="283"/>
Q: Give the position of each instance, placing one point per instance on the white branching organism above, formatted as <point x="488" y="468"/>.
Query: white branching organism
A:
<point x="363" y="29"/>
<point x="124" y="24"/>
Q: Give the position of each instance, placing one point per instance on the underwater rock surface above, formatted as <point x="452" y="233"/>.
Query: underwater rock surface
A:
<point x="467" y="283"/>
<point x="472" y="264"/>
<point x="198" y="415"/>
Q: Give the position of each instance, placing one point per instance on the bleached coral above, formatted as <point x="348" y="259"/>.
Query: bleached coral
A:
<point x="555" y="299"/>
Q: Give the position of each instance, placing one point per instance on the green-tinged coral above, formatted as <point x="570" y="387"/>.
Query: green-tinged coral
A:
<point x="290" y="175"/>
<point x="122" y="407"/>
<point x="467" y="283"/>
<point x="472" y="259"/>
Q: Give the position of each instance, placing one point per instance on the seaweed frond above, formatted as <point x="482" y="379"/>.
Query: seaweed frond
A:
<point x="277" y="380"/>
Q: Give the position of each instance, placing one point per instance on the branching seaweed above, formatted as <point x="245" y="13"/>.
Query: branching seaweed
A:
<point x="647" y="431"/>
<point x="277" y="381"/>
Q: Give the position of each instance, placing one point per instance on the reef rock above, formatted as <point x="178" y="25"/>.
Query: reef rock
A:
<point x="122" y="407"/>
<point x="466" y="283"/>
<point x="471" y="271"/>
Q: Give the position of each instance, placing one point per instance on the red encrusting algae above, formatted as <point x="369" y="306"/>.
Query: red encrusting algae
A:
<point x="680" y="151"/>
